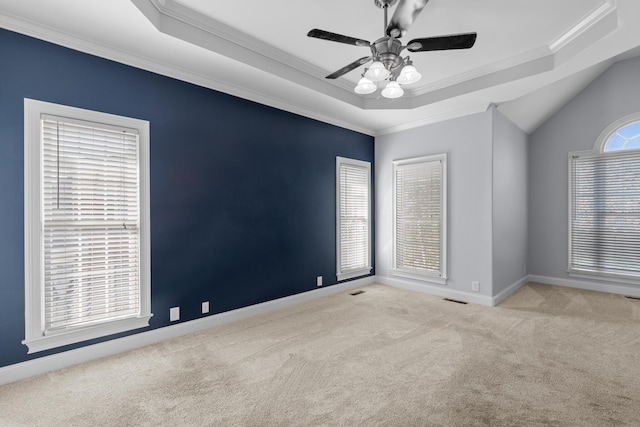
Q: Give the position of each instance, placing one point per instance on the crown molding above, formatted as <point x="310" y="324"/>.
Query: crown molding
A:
<point x="91" y="47"/>
<point x="593" y="27"/>
<point x="193" y="27"/>
<point x="436" y="118"/>
<point x="523" y="62"/>
<point x="582" y="27"/>
<point x="179" y="21"/>
<point x="171" y="18"/>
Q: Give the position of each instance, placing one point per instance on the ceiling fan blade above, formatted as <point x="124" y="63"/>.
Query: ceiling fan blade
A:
<point x="453" y="41"/>
<point x="326" y="35"/>
<point x="406" y="13"/>
<point x="352" y="66"/>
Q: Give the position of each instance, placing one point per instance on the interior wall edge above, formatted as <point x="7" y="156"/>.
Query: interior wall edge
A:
<point x="503" y="295"/>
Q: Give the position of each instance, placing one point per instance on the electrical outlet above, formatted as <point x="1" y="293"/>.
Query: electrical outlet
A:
<point x="475" y="286"/>
<point x="319" y="281"/>
<point x="205" y="307"/>
<point x="174" y="314"/>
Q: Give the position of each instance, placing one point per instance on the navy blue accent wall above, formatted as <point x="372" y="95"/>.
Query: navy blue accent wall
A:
<point x="242" y="195"/>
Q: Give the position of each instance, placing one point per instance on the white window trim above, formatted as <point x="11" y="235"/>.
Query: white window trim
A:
<point x="440" y="278"/>
<point x="35" y="339"/>
<point x="350" y="274"/>
<point x="598" y="151"/>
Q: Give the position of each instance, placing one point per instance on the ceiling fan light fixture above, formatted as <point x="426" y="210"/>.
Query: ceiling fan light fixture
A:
<point x="392" y="90"/>
<point x="408" y="75"/>
<point x="365" y="86"/>
<point x="377" y="72"/>
<point x="386" y="51"/>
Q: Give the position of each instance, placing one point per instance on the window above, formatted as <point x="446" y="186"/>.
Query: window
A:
<point x="604" y="206"/>
<point x="419" y="218"/>
<point x="626" y="137"/>
<point x="353" y="194"/>
<point x="87" y="267"/>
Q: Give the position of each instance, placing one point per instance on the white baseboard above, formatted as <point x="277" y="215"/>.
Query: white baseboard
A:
<point x="440" y="291"/>
<point x="65" y="359"/>
<point x="632" y="291"/>
<point x="511" y="289"/>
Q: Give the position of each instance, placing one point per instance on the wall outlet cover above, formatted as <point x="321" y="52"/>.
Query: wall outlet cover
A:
<point x="174" y="314"/>
<point x="205" y="307"/>
<point x="319" y="280"/>
<point x="475" y="286"/>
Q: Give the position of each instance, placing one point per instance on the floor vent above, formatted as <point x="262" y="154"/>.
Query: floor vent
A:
<point x="454" y="300"/>
<point x="357" y="293"/>
<point x="636" y="298"/>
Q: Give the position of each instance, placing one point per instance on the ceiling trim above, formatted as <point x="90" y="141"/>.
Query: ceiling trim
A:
<point x="583" y="26"/>
<point x="186" y="24"/>
<point x="435" y="118"/>
<point x="593" y="27"/>
<point x="91" y="47"/>
<point x="597" y="24"/>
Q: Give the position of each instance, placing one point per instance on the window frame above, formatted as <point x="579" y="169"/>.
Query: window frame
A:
<point x="441" y="276"/>
<point x="35" y="338"/>
<point x="597" y="151"/>
<point x="350" y="274"/>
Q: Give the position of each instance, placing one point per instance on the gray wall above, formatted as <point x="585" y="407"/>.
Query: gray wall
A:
<point x="509" y="203"/>
<point x="467" y="142"/>
<point x="615" y="94"/>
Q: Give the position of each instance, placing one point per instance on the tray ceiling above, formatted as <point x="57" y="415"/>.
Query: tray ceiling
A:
<point x="259" y="50"/>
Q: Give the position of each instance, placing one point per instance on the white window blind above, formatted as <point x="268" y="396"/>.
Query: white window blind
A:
<point x="353" y="223"/>
<point x="605" y="214"/>
<point x="419" y="217"/>
<point x="87" y="245"/>
<point x="91" y="223"/>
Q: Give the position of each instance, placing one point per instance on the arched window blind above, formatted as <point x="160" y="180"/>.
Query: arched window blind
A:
<point x="353" y="189"/>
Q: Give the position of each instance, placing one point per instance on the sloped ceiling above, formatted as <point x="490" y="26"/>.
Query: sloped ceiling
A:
<point x="529" y="59"/>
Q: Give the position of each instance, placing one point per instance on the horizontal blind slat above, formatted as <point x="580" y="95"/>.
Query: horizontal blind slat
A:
<point x="353" y="209"/>
<point x="418" y="192"/>
<point x="605" y="213"/>
<point x="91" y="214"/>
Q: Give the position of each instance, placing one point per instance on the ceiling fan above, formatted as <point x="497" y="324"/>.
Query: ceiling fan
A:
<point x="385" y="52"/>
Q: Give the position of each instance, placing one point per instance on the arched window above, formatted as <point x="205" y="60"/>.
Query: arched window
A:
<point x="625" y="138"/>
<point x="604" y="205"/>
<point x="623" y="134"/>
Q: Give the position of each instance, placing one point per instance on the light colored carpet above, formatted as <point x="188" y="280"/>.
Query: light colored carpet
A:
<point x="547" y="356"/>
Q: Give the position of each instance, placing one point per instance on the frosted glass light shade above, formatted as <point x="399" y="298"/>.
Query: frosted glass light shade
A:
<point x="393" y="90"/>
<point x="408" y="75"/>
<point x="377" y="72"/>
<point x="365" y="86"/>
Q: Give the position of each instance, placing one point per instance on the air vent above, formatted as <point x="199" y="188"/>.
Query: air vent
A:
<point x="357" y="293"/>
<point x="454" y="300"/>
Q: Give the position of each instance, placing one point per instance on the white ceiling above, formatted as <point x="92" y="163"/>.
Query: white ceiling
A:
<point x="529" y="59"/>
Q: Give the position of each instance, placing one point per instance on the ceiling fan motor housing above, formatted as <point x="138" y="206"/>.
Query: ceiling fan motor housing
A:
<point x="384" y="3"/>
<point x="387" y="50"/>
